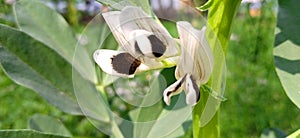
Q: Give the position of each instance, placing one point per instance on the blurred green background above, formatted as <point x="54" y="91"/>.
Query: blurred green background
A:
<point x="256" y="100"/>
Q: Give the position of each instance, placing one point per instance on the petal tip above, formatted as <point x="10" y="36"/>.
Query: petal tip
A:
<point x="107" y="61"/>
<point x="167" y="100"/>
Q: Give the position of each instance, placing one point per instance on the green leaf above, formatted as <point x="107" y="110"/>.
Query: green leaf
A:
<point x="92" y="99"/>
<point x="182" y="131"/>
<point x="144" y="4"/>
<point x="89" y="99"/>
<point x="44" y="123"/>
<point x="287" y="49"/>
<point x="206" y="6"/>
<point x="120" y="4"/>
<point x="35" y="66"/>
<point x="97" y="35"/>
<point x="26" y="133"/>
<point x="45" y="25"/>
<point x="151" y="120"/>
<point x="296" y="134"/>
<point x="49" y="27"/>
<point x="95" y="106"/>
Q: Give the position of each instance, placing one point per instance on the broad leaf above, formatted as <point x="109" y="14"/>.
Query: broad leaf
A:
<point x="95" y="106"/>
<point x="150" y="120"/>
<point x="45" y="25"/>
<point x="97" y="35"/>
<point x="120" y="4"/>
<point x="35" y="66"/>
<point x="47" y="124"/>
<point x="296" y="134"/>
<point x="182" y="131"/>
<point x="144" y="4"/>
<point x="287" y="49"/>
<point x="89" y="99"/>
<point x="49" y="27"/>
<point x="26" y="133"/>
<point x="92" y="98"/>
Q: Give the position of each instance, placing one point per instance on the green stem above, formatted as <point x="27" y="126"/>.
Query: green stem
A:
<point x="220" y="18"/>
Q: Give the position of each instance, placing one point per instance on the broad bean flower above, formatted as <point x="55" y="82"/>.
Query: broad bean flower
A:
<point x="147" y="45"/>
<point x="195" y="65"/>
<point x="144" y="42"/>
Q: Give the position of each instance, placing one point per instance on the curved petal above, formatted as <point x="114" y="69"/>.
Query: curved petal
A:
<point x="146" y="43"/>
<point x="113" y="22"/>
<point x="191" y="90"/>
<point x="197" y="57"/>
<point x="118" y="63"/>
<point x="173" y="89"/>
<point x="134" y="18"/>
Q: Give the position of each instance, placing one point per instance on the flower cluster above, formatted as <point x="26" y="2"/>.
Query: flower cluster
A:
<point x="147" y="45"/>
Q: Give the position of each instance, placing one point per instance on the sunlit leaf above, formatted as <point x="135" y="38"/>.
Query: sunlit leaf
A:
<point x="35" y="66"/>
<point x="49" y="27"/>
<point x="47" y="124"/>
<point x="287" y="49"/>
<point x="26" y="133"/>
<point x="220" y="18"/>
<point x="296" y="134"/>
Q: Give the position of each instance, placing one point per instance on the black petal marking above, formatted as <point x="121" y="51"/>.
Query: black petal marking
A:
<point x="125" y="63"/>
<point x="196" y="88"/>
<point x="158" y="48"/>
<point x="137" y="48"/>
<point x="177" y="86"/>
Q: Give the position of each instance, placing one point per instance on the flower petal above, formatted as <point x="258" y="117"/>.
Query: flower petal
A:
<point x="173" y="89"/>
<point x="147" y="44"/>
<point x="134" y="18"/>
<point x="113" y="22"/>
<point x="118" y="63"/>
<point x="192" y="91"/>
<point x="197" y="57"/>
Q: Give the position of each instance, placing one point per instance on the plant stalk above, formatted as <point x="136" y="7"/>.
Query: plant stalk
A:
<point x="220" y="18"/>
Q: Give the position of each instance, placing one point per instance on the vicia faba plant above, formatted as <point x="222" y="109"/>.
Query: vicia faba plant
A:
<point x="145" y="59"/>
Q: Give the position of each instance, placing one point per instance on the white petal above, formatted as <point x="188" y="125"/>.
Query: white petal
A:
<point x="147" y="44"/>
<point x="113" y="22"/>
<point x="173" y="89"/>
<point x="134" y="18"/>
<point x="123" y="39"/>
<point x="118" y="63"/>
<point x="197" y="57"/>
<point x="191" y="90"/>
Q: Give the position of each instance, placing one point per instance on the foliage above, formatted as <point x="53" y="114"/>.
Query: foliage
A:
<point x="256" y="100"/>
<point x="43" y="54"/>
<point x="287" y="48"/>
<point x="53" y="126"/>
<point x="26" y="133"/>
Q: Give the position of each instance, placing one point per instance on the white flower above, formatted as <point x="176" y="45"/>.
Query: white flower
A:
<point x="195" y="65"/>
<point x="145" y="43"/>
